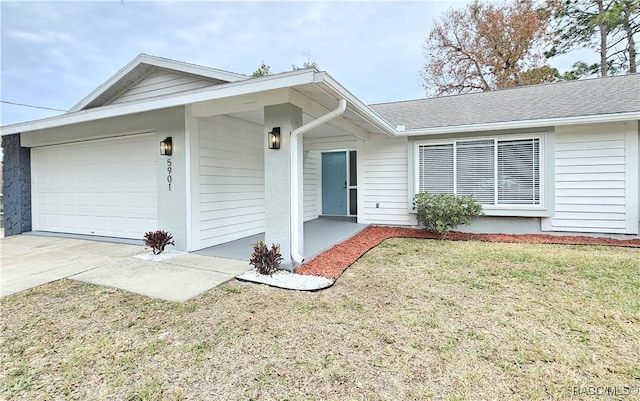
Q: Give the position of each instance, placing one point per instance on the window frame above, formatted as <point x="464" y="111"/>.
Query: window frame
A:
<point x="512" y="209"/>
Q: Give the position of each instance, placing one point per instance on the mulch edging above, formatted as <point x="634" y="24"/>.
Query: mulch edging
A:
<point x="332" y="262"/>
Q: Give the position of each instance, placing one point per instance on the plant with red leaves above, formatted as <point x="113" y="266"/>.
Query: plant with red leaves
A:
<point x="265" y="260"/>
<point x="158" y="240"/>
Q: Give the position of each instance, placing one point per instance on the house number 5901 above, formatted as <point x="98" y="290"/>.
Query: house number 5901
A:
<point x="169" y="173"/>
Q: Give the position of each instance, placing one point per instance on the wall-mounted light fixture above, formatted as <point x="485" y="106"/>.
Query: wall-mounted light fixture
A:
<point x="166" y="147"/>
<point x="274" y="138"/>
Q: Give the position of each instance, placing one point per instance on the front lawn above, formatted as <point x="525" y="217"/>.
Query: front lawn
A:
<point x="412" y="319"/>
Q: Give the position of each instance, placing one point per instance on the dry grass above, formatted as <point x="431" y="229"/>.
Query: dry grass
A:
<point x="412" y="319"/>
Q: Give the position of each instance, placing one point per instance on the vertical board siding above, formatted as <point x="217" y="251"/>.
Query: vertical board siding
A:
<point x="590" y="181"/>
<point x="385" y="175"/>
<point x="231" y="172"/>
<point x="160" y="83"/>
<point x="311" y="183"/>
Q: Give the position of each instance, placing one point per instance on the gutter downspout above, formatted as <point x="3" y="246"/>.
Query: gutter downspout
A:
<point x="295" y="174"/>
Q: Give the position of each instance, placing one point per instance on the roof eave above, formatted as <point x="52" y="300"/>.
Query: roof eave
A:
<point x="269" y="82"/>
<point x="356" y="104"/>
<point x="507" y="125"/>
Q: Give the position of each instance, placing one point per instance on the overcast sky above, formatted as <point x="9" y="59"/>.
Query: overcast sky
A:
<point x="55" y="53"/>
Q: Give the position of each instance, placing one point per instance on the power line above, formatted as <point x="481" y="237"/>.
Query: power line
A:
<point x="29" y="105"/>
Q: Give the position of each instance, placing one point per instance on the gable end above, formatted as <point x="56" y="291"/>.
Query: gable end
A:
<point x="158" y="82"/>
<point x="168" y="76"/>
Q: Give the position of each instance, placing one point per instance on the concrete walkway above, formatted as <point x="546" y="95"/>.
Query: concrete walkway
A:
<point x="30" y="261"/>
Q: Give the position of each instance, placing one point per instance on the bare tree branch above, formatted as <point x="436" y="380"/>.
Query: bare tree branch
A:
<point x="484" y="47"/>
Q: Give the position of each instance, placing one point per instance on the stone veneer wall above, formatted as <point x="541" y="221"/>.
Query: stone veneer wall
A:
<point x="16" y="188"/>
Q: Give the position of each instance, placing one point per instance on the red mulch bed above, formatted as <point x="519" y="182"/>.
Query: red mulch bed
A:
<point x="332" y="262"/>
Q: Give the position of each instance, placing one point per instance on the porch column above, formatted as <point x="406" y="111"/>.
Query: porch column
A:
<point x="277" y="179"/>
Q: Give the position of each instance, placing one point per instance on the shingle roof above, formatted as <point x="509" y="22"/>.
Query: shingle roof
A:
<point x="600" y="96"/>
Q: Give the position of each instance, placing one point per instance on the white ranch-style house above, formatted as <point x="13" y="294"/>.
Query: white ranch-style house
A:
<point x="244" y="156"/>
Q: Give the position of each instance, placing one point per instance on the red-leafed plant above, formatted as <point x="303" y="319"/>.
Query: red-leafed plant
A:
<point x="158" y="240"/>
<point x="265" y="260"/>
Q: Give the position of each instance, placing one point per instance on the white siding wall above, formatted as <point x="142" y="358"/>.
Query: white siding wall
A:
<point x="311" y="185"/>
<point x="160" y="83"/>
<point x="596" y="180"/>
<point x="331" y="143"/>
<point x="231" y="180"/>
<point x="385" y="179"/>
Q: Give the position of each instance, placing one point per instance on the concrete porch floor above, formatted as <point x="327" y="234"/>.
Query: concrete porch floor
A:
<point x="319" y="234"/>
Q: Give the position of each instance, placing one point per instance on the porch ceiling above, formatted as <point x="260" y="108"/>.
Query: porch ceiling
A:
<point x="315" y="100"/>
<point x="326" y="130"/>
<point x="328" y="98"/>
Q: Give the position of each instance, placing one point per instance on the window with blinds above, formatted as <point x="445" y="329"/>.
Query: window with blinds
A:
<point x="436" y="169"/>
<point x="475" y="170"/>
<point x="518" y="172"/>
<point x="493" y="171"/>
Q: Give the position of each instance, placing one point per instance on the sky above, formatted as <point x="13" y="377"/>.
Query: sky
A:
<point x="54" y="53"/>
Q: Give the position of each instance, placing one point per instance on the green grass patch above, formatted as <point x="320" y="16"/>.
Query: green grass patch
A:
<point x="412" y="319"/>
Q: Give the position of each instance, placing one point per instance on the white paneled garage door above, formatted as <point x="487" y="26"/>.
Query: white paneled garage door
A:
<point x="101" y="187"/>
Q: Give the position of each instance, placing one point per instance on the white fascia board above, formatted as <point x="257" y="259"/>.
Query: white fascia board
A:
<point x="106" y="84"/>
<point x="193" y="69"/>
<point x="602" y="118"/>
<point x="269" y="82"/>
<point x="362" y="109"/>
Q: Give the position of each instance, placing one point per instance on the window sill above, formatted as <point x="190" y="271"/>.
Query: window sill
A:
<point x="509" y="211"/>
<point x="516" y="211"/>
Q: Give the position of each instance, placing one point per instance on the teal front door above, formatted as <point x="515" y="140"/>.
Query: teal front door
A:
<point x="334" y="183"/>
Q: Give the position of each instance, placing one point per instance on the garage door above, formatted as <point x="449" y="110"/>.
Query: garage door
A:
<point x="102" y="187"/>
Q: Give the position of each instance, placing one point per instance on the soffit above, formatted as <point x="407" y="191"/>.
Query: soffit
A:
<point x="319" y="94"/>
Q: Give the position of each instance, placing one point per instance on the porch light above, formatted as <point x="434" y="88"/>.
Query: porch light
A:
<point x="274" y="138"/>
<point x="166" y="147"/>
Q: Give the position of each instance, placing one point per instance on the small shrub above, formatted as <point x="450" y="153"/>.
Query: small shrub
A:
<point x="157" y="240"/>
<point x="441" y="212"/>
<point x="265" y="260"/>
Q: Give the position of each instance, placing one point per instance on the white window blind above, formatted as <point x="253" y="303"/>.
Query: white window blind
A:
<point x="519" y="172"/>
<point x="493" y="171"/>
<point x="436" y="169"/>
<point x="475" y="170"/>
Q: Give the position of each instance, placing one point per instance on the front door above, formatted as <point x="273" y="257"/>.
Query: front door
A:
<point x="334" y="183"/>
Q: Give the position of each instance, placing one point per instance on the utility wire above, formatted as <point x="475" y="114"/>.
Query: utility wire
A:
<point x="29" y="105"/>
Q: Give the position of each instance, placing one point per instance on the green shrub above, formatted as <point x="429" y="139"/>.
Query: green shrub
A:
<point x="265" y="260"/>
<point x="441" y="212"/>
<point x="157" y="240"/>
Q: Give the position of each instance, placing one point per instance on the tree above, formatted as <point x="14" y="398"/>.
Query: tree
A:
<point x="485" y="47"/>
<point x="581" y="23"/>
<point x="309" y="63"/>
<point x="263" y="70"/>
<point x="580" y="70"/>
<point x="610" y="26"/>
<point x="627" y="24"/>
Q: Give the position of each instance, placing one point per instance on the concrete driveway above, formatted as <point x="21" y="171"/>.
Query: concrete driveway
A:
<point x="28" y="261"/>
